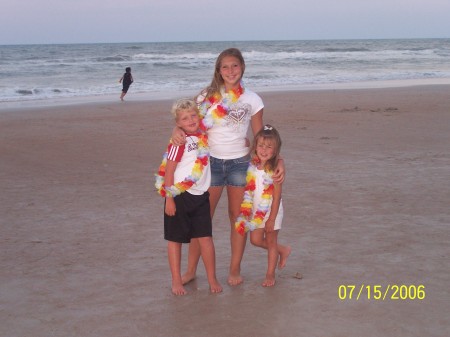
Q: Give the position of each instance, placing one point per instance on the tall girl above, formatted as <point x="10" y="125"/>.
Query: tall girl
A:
<point x="229" y="110"/>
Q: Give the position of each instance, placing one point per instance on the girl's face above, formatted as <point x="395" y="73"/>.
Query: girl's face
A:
<point x="188" y="120"/>
<point x="265" y="149"/>
<point x="231" y="72"/>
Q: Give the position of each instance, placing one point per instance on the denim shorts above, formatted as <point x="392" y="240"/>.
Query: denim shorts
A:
<point x="229" y="172"/>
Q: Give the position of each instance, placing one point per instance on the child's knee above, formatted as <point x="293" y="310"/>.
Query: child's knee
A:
<point x="256" y="241"/>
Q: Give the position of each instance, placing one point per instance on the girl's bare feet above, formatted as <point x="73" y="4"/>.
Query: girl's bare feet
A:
<point x="269" y="282"/>
<point x="187" y="277"/>
<point x="178" y="289"/>
<point x="215" y="287"/>
<point x="284" y="254"/>
<point x="234" y="280"/>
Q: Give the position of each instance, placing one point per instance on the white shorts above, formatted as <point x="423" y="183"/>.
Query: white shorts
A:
<point x="279" y="218"/>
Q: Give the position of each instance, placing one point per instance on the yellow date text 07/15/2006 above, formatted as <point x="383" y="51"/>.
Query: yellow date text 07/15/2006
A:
<point x="379" y="292"/>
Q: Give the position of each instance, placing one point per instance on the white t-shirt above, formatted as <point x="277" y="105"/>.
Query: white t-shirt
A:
<point x="186" y="155"/>
<point x="227" y="138"/>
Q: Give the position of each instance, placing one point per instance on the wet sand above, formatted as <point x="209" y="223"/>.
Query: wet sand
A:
<point x="366" y="200"/>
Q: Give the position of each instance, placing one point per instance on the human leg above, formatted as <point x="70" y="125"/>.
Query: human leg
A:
<point x="209" y="259"/>
<point x="238" y="241"/>
<point x="272" y="258"/>
<point x="122" y="95"/>
<point x="174" y="255"/>
<point x="258" y="238"/>
<point x="194" y="247"/>
<point x="193" y="257"/>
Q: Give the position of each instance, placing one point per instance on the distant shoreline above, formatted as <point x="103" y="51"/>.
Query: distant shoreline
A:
<point x="171" y="95"/>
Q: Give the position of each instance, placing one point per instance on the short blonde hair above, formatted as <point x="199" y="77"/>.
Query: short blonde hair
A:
<point x="183" y="104"/>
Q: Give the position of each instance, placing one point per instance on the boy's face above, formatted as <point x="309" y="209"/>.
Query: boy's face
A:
<point x="188" y="120"/>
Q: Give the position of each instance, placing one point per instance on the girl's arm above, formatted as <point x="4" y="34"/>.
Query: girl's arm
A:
<point x="257" y="122"/>
<point x="278" y="175"/>
<point x="169" y="178"/>
<point x="178" y="136"/>
<point x="276" y="200"/>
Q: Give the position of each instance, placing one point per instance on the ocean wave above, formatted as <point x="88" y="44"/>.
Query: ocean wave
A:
<point x="345" y="50"/>
<point x="116" y="58"/>
<point x="54" y="71"/>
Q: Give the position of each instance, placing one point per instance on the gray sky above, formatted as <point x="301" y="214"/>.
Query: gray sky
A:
<point x="77" y="21"/>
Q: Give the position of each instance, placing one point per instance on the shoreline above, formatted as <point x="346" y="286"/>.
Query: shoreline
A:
<point x="156" y="96"/>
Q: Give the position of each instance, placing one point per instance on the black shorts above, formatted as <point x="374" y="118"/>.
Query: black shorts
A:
<point x="125" y="88"/>
<point x="192" y="218"/>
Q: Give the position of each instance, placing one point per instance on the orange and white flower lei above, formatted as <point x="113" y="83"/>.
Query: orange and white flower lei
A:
<point x="249" y="220"/>
<point x="188" y="182"/>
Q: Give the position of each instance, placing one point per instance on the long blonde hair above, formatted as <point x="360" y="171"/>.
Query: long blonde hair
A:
<point x="268" y="133"/>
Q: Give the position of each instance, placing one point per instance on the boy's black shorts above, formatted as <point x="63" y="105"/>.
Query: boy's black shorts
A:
<point x="192" y="218"/>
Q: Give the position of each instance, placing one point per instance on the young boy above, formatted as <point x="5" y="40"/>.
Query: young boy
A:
<point x="183" y="179"/>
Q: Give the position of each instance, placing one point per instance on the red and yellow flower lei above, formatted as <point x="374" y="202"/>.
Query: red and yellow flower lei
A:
<point x="188" y="182"/>
<point x="226" y="99"/>
<point x="249" y="220"/>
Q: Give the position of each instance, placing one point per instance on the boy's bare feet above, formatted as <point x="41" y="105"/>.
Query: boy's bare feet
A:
<point x="178" y="289"/>
<point x="187" y="277"/>
<point x="269" y="282"/>
<point x="234" y="280"/>
<point x="283" y="257"/>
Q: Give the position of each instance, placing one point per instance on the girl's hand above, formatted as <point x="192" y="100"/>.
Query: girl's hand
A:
<point x="269" y="226"/>
<point x="178" y="136"/>
<point x="170" y="208"/>
<point x="278" y="175"/>
<point x="247" y="142"/>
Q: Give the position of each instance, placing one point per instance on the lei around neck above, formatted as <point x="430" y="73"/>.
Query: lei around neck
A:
<point x="189" y="181"/>
<point x="223" y="101"/>
<point x="249" y="220"/>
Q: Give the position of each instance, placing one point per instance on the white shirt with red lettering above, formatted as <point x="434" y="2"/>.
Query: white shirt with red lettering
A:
<point x="186" y="155"/>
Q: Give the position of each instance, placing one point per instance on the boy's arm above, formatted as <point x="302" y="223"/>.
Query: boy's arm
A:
<point x="169" y="178"/>
<point x="276" y="200"/>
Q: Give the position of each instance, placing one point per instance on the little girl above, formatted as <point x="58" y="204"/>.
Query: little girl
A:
<point x="261" y="209"/>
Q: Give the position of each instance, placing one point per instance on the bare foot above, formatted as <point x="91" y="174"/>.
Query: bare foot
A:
<point x="187" y="277"/>
<point x="269" y="282"/>
<point x="283" y="257"/>
<point x="178" y="289"/>
<point x="215" y="287"/>
<point x="234" y="280"/>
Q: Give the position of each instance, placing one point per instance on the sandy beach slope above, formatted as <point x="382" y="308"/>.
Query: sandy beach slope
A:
<point x="366" y="199"/>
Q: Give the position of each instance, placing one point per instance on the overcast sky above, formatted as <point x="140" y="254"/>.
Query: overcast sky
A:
<point x="78" y="21"/>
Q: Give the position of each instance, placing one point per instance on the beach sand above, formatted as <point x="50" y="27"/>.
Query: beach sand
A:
<point x="366" y="199"/>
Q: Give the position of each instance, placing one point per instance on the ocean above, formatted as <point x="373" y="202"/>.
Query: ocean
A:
<point x="44" y="73"/>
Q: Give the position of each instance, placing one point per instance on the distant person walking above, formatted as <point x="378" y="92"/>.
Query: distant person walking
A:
<point x="126" y="81"/>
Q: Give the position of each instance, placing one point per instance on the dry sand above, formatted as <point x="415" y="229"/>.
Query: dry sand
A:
<point x="367" y="202"/>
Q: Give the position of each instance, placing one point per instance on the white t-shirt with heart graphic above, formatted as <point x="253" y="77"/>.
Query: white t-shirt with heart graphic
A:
<point x="226" y="139"/>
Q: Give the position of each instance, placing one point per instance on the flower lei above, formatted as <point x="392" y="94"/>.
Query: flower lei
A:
<point x="246" y="221"/>
<point x="226" y="99"/>
<point x="197" y="171"/>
